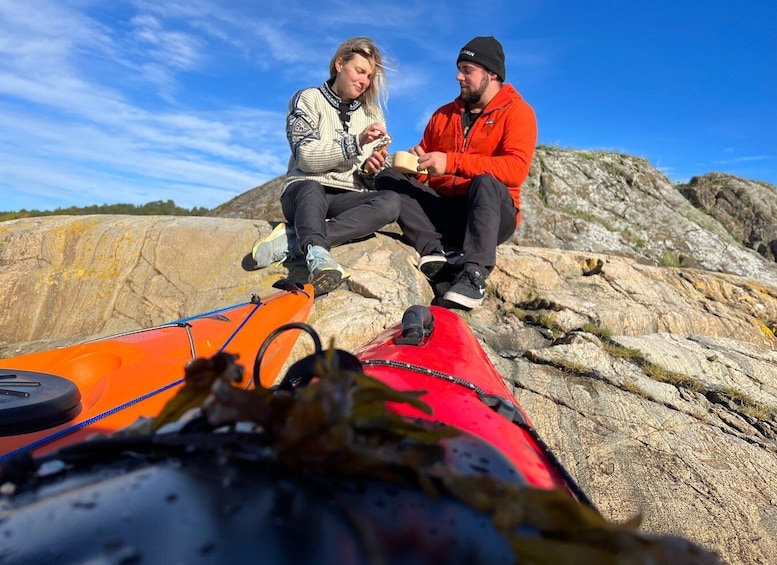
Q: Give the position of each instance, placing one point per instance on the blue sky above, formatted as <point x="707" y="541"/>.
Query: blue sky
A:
<point x="108" y="101"/>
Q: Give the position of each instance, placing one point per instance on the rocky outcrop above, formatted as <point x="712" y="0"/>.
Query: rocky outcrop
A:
<point x="747" y="209"/>
<point x="656" y="386"/>
<point x="614" y="203"/>
<point x="262" y="202"/>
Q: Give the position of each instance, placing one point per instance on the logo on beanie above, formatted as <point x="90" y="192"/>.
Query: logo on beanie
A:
<point x="487" y="52"/>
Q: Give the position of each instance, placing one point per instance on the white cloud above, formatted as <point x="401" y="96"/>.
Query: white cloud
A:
<point x="78" y="129"/>
<point x="745" y="159"/>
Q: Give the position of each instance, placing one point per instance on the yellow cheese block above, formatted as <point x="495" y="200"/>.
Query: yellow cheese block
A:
<point x="406" y="162"/>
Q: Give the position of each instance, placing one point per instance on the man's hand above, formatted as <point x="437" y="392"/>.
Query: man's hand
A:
<point x="433" y="163"/>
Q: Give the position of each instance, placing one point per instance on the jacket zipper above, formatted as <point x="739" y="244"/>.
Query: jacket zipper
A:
<point x="465" y="143"/>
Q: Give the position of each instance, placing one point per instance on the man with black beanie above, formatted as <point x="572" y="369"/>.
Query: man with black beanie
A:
<point x="474" y="155"/>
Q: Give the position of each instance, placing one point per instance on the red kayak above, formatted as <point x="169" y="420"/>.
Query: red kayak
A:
<point x="434" y="350"/>
<point x="59" y="397"/>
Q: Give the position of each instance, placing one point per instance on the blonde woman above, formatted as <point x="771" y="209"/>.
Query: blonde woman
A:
<point x="333" y="132"/>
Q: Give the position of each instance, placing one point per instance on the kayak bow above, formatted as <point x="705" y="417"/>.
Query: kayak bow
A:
<point x="61" y="396"/>
<point x="434" y="350"/>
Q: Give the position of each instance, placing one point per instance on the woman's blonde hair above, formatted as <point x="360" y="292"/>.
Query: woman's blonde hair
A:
<point x="376" y="94"/>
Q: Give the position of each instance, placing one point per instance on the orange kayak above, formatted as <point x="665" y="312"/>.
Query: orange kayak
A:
<point x="61" y="396"/>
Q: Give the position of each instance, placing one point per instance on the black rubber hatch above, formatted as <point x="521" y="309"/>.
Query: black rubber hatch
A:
<point x="31" y="401"/>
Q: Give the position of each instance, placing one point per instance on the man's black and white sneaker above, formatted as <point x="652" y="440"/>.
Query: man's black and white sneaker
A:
<point x="436" y="267"/>
<point x="468" y="289"/>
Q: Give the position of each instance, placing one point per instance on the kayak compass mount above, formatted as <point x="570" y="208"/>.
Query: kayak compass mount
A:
<point x="303" y="371"/>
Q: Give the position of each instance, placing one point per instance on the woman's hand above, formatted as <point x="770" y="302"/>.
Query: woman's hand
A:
<point x="375" y="161"/>
<point x="371" y="133"/>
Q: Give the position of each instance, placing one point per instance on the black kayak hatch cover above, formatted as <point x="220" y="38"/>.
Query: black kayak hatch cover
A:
<point x="32" y="401"/>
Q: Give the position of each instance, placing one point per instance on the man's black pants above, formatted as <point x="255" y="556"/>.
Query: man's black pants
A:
<point x="475" y="222"/>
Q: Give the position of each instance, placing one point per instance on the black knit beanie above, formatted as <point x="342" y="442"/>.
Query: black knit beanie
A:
<point x="485" y="51"/>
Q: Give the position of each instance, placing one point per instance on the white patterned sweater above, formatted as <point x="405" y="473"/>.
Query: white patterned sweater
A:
<point x="322" y="148"/>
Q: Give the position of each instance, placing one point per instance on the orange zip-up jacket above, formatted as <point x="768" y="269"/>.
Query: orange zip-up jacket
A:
<point x="500" y="143"/>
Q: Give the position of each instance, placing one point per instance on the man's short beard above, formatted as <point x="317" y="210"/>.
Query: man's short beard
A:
<point x="474" y="96"/>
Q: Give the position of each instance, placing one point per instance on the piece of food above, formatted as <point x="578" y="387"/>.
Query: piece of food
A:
<point x="406" y="162"/>
<point x="380" y="147"/>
